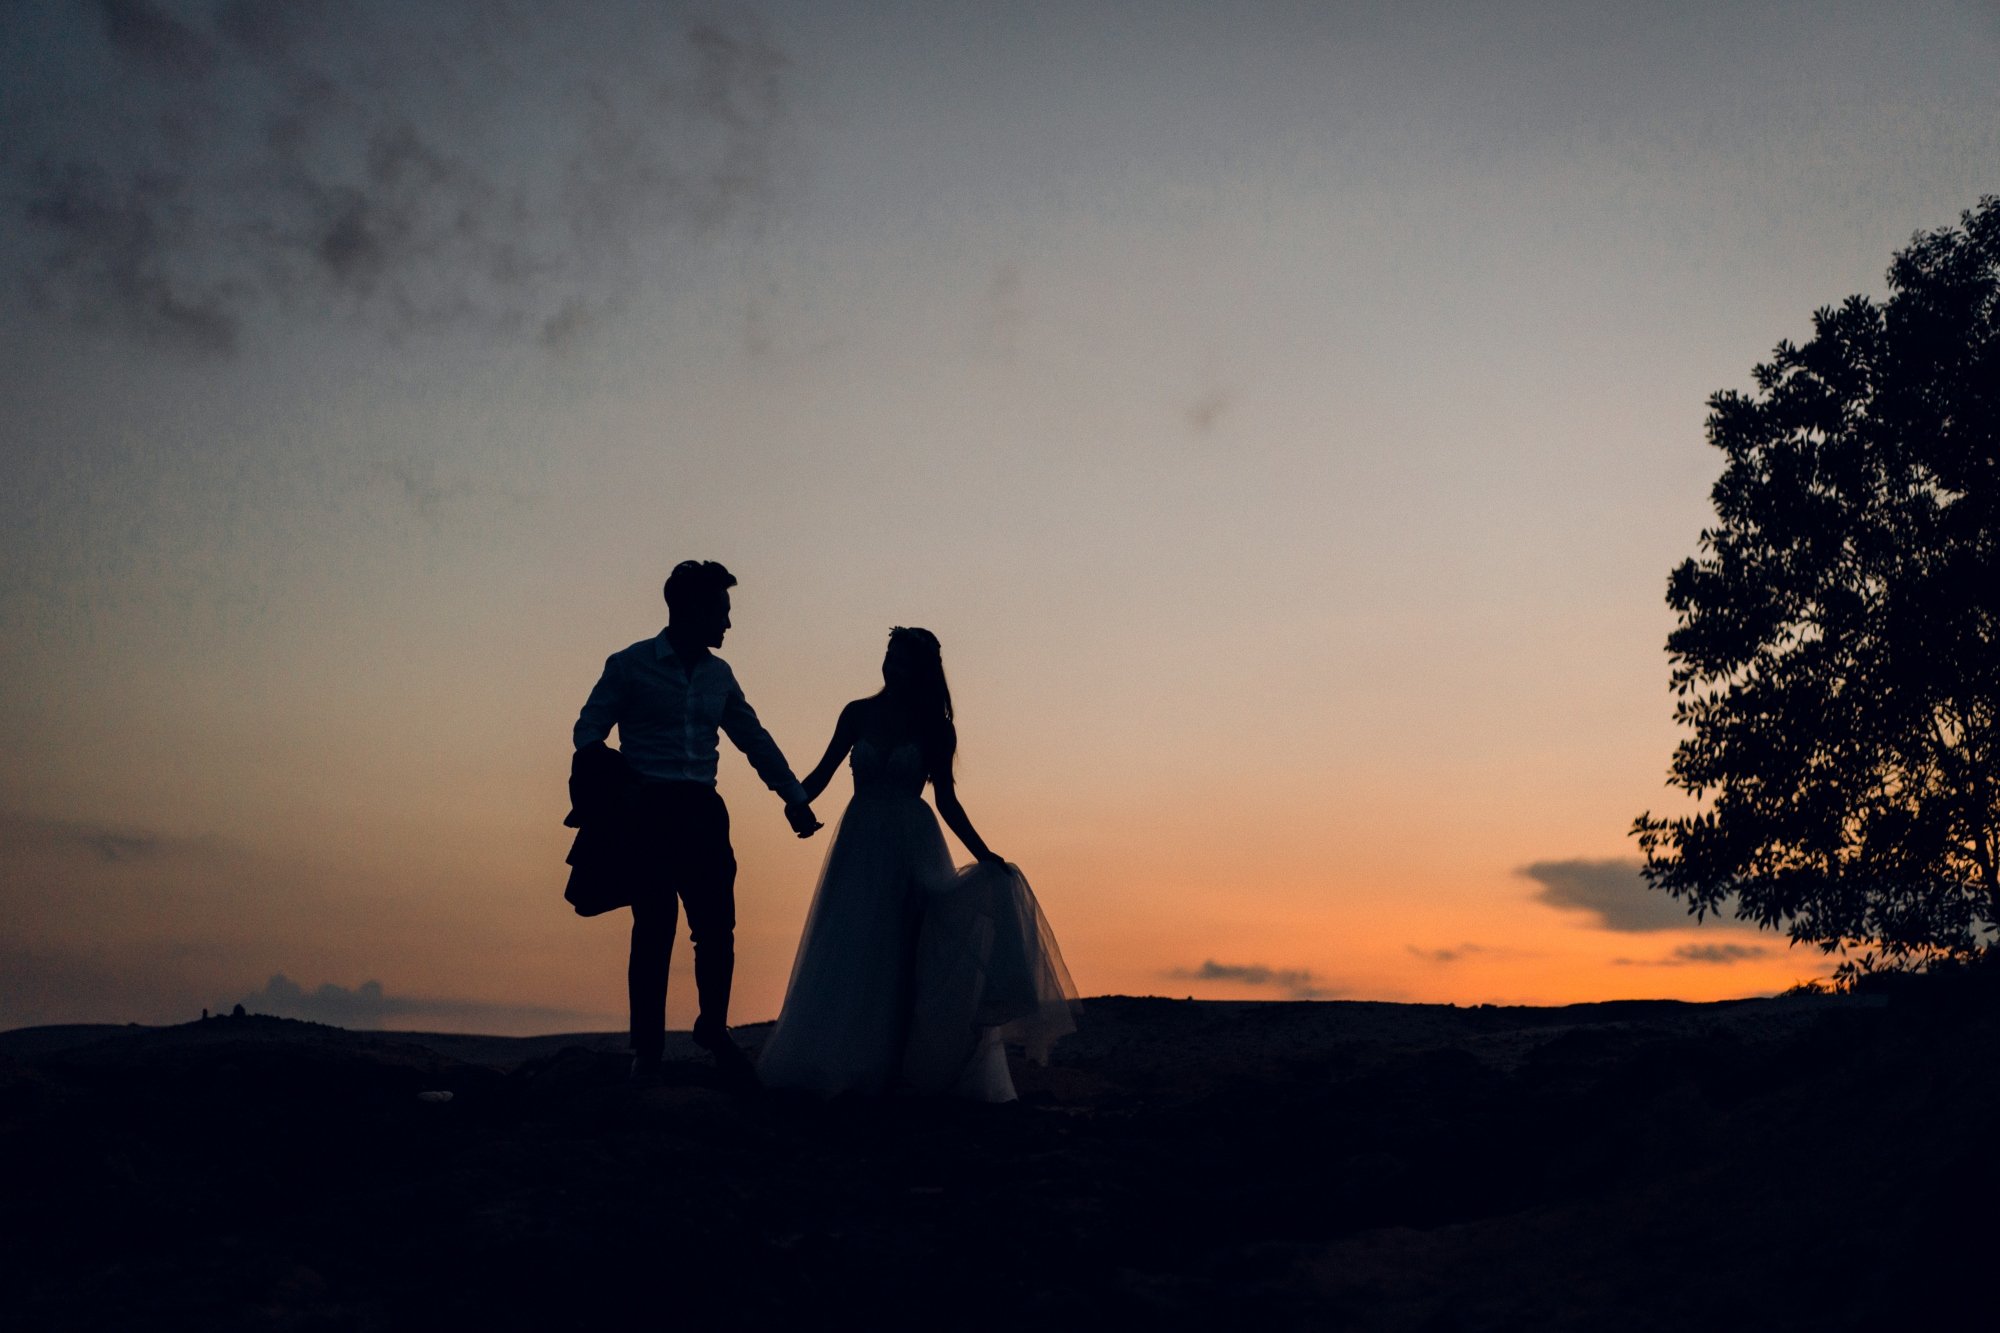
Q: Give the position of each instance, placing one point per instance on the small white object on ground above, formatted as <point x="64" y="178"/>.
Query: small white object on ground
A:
<point x="434" y="1096"/>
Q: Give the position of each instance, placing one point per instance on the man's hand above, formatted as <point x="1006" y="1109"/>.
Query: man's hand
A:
<point x="800" y="816"/>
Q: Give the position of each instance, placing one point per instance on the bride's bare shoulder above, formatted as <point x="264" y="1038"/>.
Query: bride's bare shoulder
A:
<point x="856" y="716"/>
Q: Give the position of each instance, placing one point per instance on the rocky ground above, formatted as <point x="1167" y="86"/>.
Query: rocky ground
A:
<point x="1808" y="1162"/>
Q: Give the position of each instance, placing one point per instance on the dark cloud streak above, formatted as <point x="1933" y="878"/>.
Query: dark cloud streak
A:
<point x="1297" y="983"/>
<point x="107" y="843"/>
<point x="1445" y="955"/>
<point x="1713" y="955"/>
<point x="1614" y="893"/>
<point x="369" y="1005"/>
<point x="113" y="983"/>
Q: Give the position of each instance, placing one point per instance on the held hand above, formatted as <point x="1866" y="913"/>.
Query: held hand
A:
<point x="800" y="816"/>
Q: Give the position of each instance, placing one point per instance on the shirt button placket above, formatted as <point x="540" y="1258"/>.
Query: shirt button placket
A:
<point x="687" y="725"/>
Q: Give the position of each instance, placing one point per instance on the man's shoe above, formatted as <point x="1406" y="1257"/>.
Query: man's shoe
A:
<point x="730" y="1062"/>
<point x="646" y="1072"/>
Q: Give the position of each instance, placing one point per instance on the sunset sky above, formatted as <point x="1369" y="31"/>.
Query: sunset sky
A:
<point x="1286" y="415"/>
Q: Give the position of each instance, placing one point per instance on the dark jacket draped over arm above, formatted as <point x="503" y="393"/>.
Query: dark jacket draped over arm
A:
<point x="604" y="859"/>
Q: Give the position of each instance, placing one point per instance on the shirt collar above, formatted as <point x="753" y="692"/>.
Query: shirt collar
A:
<point x="663" y="648"/>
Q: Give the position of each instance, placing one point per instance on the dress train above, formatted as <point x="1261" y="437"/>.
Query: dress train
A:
<point x="912" y="973"/>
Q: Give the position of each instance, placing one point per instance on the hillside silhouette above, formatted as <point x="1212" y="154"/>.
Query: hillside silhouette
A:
<point x="1801" y="1161"/>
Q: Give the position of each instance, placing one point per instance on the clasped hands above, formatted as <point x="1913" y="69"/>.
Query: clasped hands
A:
<point x="799" y="814"/>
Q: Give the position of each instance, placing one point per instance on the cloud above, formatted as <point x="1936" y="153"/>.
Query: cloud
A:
<point x="1460" y="953"/>
<point x="163" y="982"/>
<point x="106" y="843"/>
<point x="1207" y="410"/>
<point x="1003" y="313"/>
<point x="107" y="922"/>
<point x="1722" y="953"/>
<point x="1446" y="955"/>
<point x="369" y="1006"/>
<point x="1614" y="893"/>
<point x="156" y="38"/>
<point x="1703" y="954"/>
<point x="176" y="172"/>
<point x="1297" y="983"/>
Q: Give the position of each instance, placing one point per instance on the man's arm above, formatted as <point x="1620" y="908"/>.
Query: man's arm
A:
<point x="739" y="722"/>
<point x="600" y="710"/>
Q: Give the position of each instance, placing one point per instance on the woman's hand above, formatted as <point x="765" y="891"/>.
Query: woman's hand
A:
<point x="945" y="793"/>
<point x="799" y="815"/>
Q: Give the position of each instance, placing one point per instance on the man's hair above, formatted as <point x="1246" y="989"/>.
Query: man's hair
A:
<point x="696" y="584"/>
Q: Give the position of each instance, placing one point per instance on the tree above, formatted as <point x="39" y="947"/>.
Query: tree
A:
<point x="1837" y="652"/>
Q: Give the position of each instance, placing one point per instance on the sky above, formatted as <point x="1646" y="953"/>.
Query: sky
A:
<point x="1286" y="416"/>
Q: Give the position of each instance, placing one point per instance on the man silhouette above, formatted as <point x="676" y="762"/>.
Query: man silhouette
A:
<point x="667" y="695"/>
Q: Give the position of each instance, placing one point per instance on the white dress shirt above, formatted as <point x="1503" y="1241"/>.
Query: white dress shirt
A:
<point x="667" y="715"/>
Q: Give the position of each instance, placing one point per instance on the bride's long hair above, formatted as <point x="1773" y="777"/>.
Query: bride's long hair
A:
<point x="919" y="686"/>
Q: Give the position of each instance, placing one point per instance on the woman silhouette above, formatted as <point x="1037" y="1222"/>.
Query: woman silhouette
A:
<point x="911" y="973"/>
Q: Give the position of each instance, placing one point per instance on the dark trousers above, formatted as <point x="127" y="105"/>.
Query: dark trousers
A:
<point x="684" y="828"/>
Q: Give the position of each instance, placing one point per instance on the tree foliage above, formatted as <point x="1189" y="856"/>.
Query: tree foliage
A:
<point x="1836" y="657"/>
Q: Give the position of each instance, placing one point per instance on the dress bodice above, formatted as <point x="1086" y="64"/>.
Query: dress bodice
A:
<point x="896" y="770"/>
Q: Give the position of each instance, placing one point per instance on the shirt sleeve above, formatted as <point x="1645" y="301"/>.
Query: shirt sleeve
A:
<point x="600" y="710"/>
<point x="739" y="720"/>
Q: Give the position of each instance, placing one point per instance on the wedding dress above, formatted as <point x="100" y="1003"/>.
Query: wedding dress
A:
<point x="910" y="973"/>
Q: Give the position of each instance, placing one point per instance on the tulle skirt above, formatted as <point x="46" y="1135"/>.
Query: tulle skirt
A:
<point x="912" y="973"/>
